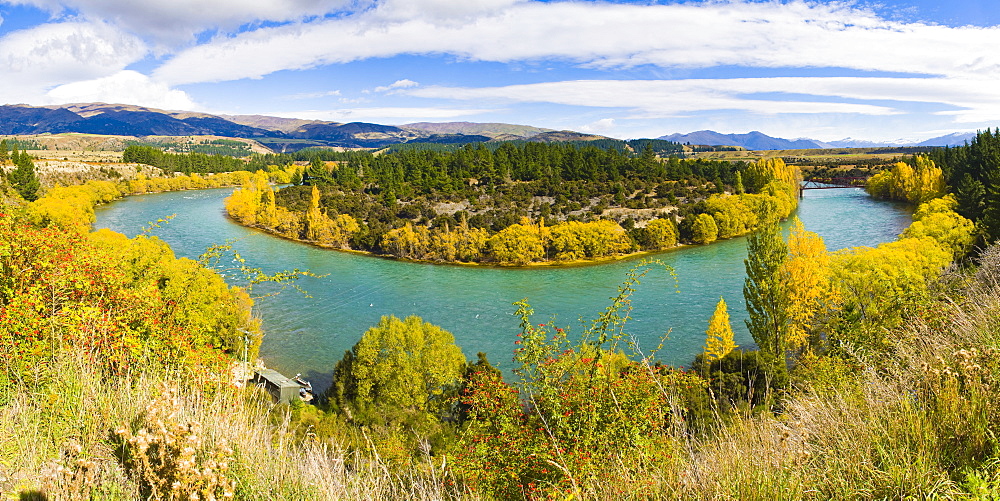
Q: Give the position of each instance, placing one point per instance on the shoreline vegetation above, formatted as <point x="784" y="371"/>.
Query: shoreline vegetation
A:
<point x="351" y="206"/>
<point x="876" y="377"/>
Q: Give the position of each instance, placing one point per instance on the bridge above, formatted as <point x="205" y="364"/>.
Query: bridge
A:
<point x="827" y="183"/>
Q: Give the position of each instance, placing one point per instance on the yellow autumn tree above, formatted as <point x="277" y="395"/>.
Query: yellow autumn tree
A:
<point x="410" y="242"/>
<point x="704" y="230"/>
<point x="662" y="233"/>
<point x="267" y="216"/>
<point x="444" y="244"/>
<point x="243" y="205"/>
<point x="732" y="216"/>
<point x="317" y="228"/>
<point x="918" y="183"/>
<point x="576" y="240"/>
<point x="719" y="336"/>
<point x="806" y="276"/>
<point x="877" y="284"/>
<point x="471" y="242"/>
<point x="937" y="219"/>
<point x="516" y="244"/>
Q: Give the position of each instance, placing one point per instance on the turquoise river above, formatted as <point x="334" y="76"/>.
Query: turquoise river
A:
<point x="309" y="335"/>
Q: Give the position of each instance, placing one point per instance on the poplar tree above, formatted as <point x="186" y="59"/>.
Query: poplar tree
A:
<point x="719" y="336"/>
<point x="766" y="295"/>
<point x="806" y="275"/>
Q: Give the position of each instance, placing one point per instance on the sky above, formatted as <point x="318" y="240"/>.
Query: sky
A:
<point x="882" y="71"/>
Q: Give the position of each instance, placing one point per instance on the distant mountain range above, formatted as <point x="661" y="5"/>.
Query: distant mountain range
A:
<point x="751" y="141"/>
<point x="279" y="134"/>
<point x="760" y="141"/>
<point x="288" y="134"/>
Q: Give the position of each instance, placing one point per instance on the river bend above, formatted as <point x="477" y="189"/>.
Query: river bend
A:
<point x="308" y="335"/>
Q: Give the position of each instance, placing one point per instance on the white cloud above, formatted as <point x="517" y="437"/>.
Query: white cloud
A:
<point x="821" y="106"/>
<point x="51" y="54"/>
<point x="439" y="11"/>
<point x="177" y="20"/>
<point x="384" y="113"/>
<point x="125" y="87"/>
<point x="757" y="34"/>
<point x="601" y="126"/>
<point x="313" y="95"/>
<point x="398" y="84"/>
<point x="662" y="98"/>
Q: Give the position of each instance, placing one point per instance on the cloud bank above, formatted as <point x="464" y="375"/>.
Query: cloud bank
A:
<point x="606" y="35"/>
<point x="154" y="53"/>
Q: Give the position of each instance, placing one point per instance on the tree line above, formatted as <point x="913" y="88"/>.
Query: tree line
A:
<point x="522" y="208"/>
<point x="972" y="173"/>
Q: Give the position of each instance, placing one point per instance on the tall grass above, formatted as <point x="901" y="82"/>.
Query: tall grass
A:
<point x="921" y="423"/>
<point x="58" y="439"/>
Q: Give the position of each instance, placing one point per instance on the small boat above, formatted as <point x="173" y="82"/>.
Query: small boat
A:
<point x="306" y="390"/>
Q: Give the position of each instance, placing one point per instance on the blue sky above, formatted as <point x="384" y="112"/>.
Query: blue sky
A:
<point x="824" y="70"/>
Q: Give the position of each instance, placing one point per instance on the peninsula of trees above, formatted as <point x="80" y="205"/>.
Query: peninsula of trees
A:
<point x="517" y="204"/>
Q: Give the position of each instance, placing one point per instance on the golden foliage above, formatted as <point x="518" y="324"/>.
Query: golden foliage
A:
<point x="704" y="230"/>
<point x="937" y="219"/>
<point x="516" y="244"/>
<point x="662" y="233"/>
<point x="719" y="336"/>
<point x="916" y="184"/>
<point x="576" y="240"/>
<point x="732" y="215"/>
<point x="806" y="276"/>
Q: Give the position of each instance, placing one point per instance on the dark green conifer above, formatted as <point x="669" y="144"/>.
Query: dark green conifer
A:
<point x="24" y="179"/>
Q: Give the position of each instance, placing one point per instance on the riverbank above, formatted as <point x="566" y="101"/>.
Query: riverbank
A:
<point x="582" y="262"/>
<point x="307" y="335"/>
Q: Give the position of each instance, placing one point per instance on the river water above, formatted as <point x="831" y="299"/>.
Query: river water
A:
<point x="309" y="335"/>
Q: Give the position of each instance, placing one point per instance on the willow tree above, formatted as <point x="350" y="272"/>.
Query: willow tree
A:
<point x="398" y="364"/>
<point x="704" y="230"/>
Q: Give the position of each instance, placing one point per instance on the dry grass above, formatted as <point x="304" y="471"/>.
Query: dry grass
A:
<point x="58" y="439"/>
<point x="919" y="425"/>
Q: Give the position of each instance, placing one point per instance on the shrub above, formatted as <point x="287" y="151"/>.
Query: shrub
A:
<point x="170" y="459"/>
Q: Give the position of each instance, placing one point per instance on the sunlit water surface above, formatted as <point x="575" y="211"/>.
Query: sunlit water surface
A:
<point x="309" y="334"/>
